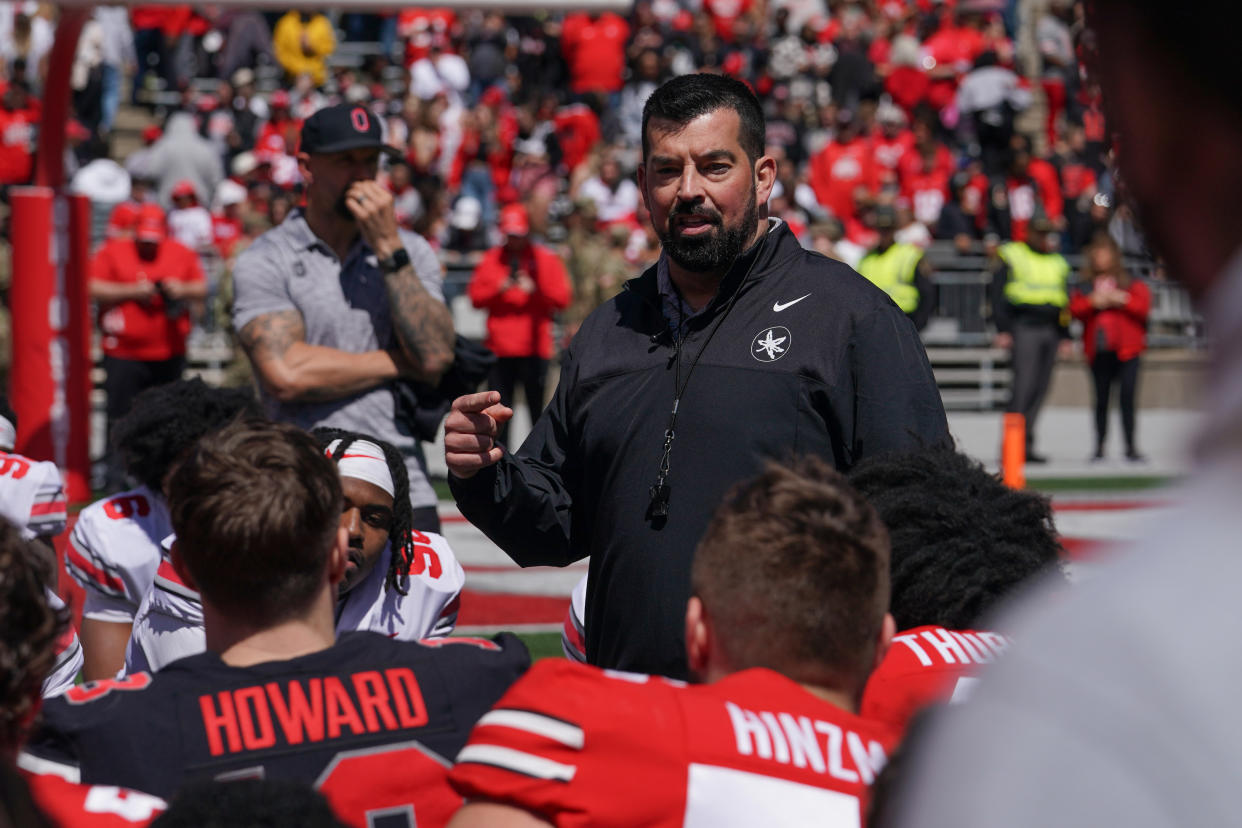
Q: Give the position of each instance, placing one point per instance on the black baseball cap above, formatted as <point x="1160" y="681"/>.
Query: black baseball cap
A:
<point x="344" y="127"/>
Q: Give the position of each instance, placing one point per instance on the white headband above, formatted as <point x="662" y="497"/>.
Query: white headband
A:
<point x="363" y="460"/>
<point x="8" y="435"/>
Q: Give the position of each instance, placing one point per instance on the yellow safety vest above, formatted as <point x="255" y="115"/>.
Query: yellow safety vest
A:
<point x="1035" y="278"/>
<point x="893" y="272"/>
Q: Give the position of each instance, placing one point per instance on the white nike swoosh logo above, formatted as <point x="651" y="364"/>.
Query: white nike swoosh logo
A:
<point x="780" y="306"/>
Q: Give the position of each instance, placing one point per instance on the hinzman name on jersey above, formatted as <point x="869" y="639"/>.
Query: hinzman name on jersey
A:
<point x="801" y="741"/>
<point x="311" y="710"/>
<point x="939" y="645"/>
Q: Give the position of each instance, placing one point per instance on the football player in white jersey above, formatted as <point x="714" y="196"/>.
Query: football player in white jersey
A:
<point x="32" y="498"/>
<point x="114" y="548"/>
<point x="32" y="495"/>
<point x="409" y="590"/>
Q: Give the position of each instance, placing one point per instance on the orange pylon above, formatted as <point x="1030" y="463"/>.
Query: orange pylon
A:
<point x="1013" y="451"/>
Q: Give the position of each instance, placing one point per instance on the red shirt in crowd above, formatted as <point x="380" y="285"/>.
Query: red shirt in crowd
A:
<point x="888" y="152"/>
<point x="577" y="129"/>
<point x="908" y="86"/>
<point x="927" y="193"/>
<point x="143" y="330"/>
<point x="925" y="666"/>
<point x="17" y="133"/>
<point x="1122" y="330"/>
<point x="911" y="163"/>
<point x="838" y="170"/>
<point x="519" y="321"/>
<point x="595" y="51"/>
<point x="724" y="13"/>
<point x="1041" y="186"/>
<point x="225" y="233"/>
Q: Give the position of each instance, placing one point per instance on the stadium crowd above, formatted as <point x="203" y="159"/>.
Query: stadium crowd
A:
<point x="267" y="629"/>
<point x="913" y="105"/>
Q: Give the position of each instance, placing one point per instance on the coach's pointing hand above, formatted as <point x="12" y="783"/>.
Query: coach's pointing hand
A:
<point x="470" y="432"/>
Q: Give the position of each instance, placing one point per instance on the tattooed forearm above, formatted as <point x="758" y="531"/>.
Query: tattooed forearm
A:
<point x="269" y="336"/>
<point x="423" y="324"/>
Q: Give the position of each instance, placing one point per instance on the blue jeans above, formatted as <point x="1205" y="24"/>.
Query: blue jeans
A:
<point x="111" y="96"/>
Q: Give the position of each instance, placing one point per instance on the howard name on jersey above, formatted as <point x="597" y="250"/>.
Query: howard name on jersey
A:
<point x="307" y="718"/>
<point x="581" y="746"/>
<point x="113" y="552"/>
<point x="925" y="666"/>
<point x="169" y="624"/>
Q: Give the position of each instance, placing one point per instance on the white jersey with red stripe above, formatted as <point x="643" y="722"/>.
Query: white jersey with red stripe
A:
<point x="169" y="624"/>
<point x="32" y="495"/>
<point x="573" y="632"/>
<point x="113" y="552"/>
<point x="69" y="658"/>
<point x="576" y="745"/>
<point x="90" y="806"/>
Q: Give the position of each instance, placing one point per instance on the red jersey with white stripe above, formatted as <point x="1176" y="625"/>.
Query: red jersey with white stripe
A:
<point x="32" y="496"/>
<point x="926" y="666"/>
<point x="169" y="624"/>
<point x="113" y="552"/>
<point x="91" y="806"/>
<point x="581" y="746"/>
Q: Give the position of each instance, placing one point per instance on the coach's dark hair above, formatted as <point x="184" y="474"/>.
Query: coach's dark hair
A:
<point x="400" y="534"/>
<point x="686" y="97"/>
<point x="793" y="573"/>
<point x="962" y="541"/>
<point x="166" y="420"/>
<point x="255" y="507"/>
<point x="29" y="628"/>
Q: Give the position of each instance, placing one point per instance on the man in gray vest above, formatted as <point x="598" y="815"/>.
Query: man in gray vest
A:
<point x="336" y="302"/>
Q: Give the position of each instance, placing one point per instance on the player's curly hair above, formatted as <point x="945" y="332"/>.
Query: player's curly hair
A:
<point x="962" y="541"/>
<point x="401" y="533"/>
<point x="29" y="628"/>
<point x="166" y="420"/>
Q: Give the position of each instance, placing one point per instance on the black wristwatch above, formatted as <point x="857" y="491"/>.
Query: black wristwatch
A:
<point x="399" y="259"/>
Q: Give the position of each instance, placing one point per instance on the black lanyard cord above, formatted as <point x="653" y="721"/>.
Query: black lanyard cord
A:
<point x="657" y="508"/>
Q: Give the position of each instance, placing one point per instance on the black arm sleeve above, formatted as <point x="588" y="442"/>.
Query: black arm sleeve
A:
<point x="896" y="405"/>
<point x="523" y="502"/>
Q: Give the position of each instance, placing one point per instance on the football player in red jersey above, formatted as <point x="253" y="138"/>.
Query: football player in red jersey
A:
<point x="368" y="720"/>
<point x="786" y="620"/>
<point x="962" y="542"/>
<point x="30" y="627"/>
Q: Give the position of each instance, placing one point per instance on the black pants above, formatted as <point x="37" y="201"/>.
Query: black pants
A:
<point x="531" y="372"/>
<point x="1034" y="357"/>
<point x="1107" y="369"/>
<point x="126" y="378"/>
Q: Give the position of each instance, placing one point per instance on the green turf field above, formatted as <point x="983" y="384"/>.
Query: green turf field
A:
<point x="1053" y="485"/>
<point x="542" y="645"/>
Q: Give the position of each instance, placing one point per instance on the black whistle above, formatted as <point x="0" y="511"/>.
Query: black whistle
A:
<point x="658" y="508"/>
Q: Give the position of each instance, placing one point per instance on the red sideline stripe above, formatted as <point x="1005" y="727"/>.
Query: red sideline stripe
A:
<point x="490" y="609"/>
<point x="453" y="518"/>
<point x="1083" y="549"/>
<point x="1107" y="505"/>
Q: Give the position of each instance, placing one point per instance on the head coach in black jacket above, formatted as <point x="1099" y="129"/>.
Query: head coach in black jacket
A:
<point x="736" y="347"/>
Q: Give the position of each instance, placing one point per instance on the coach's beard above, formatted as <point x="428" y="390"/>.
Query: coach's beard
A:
<point x="714" y="251"/>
